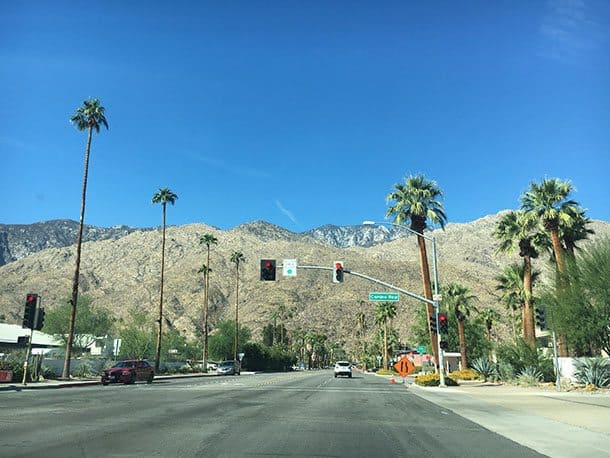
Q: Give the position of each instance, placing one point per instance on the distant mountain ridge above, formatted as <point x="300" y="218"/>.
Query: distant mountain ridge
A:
<point x="18" y="241"/>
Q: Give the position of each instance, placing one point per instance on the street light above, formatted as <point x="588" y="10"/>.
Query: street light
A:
<point x="435" y="295"/>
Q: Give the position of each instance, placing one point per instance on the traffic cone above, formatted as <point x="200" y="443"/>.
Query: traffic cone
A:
<point x="392" y="381"/>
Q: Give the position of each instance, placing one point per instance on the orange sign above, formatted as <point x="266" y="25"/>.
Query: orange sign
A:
<point x="404" y="366"/>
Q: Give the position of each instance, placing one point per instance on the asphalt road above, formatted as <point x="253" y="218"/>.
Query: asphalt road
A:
<point x="290" y="414"/>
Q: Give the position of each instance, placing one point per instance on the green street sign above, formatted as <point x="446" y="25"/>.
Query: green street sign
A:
<point x="421" y="349"/>
<point x="383" y="297"/>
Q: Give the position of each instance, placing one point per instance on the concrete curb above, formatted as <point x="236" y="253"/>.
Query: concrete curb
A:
<point x="81" y="383"/>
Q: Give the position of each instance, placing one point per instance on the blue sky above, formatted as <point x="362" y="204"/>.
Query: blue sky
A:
<point x="300" y="113"/>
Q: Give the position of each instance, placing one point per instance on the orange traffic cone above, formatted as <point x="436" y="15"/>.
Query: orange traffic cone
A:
<point x="392" y="381"/>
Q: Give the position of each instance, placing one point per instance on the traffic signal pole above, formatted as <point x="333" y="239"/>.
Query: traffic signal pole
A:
<point x="434" y="303"/>
<point x="29" y="350"/>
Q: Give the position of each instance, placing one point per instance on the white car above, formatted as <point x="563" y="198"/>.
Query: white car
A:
<point x="343" y="368"/>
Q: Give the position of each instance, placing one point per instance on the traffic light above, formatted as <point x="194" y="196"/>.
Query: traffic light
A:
<point x="268" y="269"/>
<point x="433" y="323"/>
<point x="30" y="310"/>
<point x="443" y="324"/>
<point x="541" y="318"/>
<point x="444" y="345"/>
<point x="338" y="272"/>
<point x="39" y="319"/>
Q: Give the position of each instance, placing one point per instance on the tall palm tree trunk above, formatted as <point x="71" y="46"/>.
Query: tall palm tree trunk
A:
<point x="160" y="321"/>
<point x="385" y="344"/>
<point x="557" y="250"/>
<point x="562" y="347"/>
<point x="425" y="273"/>
<point x="205" y="313"/>
<point x="236" y="339"/>
<point x="79" y="241"/>
<point x="529" y="331"/>
<point x="462" y="336"/>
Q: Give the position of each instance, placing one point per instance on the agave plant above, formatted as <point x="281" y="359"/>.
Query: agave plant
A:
<point x="485" y="367"/>
<point x="530" y="376"/>
<point x="592" y="371"/>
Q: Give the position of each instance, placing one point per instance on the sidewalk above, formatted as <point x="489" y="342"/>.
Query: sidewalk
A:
<point x="75" y="383"/>
<point x="558" y="424"/>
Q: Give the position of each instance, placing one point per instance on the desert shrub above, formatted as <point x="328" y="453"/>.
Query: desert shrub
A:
<point x="520" y="355"/>
<point x="387" y="372"/>
<point x="434" y="380"/>
<point x="592" y="371"/>
<point x="506" y="371"/>
<point x="83" y="369"/>
<point x="13" y="362"/>
<point x="484" y="367"/>
<point x="529" y="376"/>
<point x="464" y="374"/>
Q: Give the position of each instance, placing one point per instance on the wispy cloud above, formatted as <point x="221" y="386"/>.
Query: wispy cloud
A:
<point x="230" y="168"/>
<point x="568" y="30"/>
<point x="286" y="212"/>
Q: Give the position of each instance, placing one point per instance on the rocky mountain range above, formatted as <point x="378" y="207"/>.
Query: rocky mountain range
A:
<point x="20" y="240"/>
<point x="120" y="271"/>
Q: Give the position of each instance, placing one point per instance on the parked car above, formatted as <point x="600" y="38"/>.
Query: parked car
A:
<point x="229" y="367"/>
<point x="129" y="371"/>
<point x="343" y="368"/>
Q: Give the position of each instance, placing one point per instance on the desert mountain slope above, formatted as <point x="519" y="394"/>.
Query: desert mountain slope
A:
<point x="122" y="274"/>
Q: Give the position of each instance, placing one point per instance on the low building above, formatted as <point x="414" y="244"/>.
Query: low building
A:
<point x="10" y="339"/>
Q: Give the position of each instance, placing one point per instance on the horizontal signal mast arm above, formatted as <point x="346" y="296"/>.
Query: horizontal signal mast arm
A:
<point x="374" y="280"/>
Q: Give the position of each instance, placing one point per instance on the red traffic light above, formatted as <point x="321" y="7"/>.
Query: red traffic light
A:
<point x="268" y="269"/>
<point x="338" y="272"/>
<point x="443" y="323"/>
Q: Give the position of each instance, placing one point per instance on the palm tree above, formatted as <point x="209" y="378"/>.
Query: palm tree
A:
<point x="163" y="196"/>
<point x="514" y="230"/>
<point x="548" y="203"/>
<point x="237" y="257"/>
<point x="459" y="298"/>
<point x="208" y="240"/>
<point x="512" y="291"/>
<point x="361" y="330"/>
<point x="575" y="232"/>
<point x="384" y="312"/>
<point x="315" y="347"/>
<point x="298" y="343"/>
<point x="281" y="313"/>
<point x="489" y="317"/>
<point x="417" y="202"/>
<point x="90" y="116"/>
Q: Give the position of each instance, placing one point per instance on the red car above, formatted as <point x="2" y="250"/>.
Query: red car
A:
<point x="129" y="371"/>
